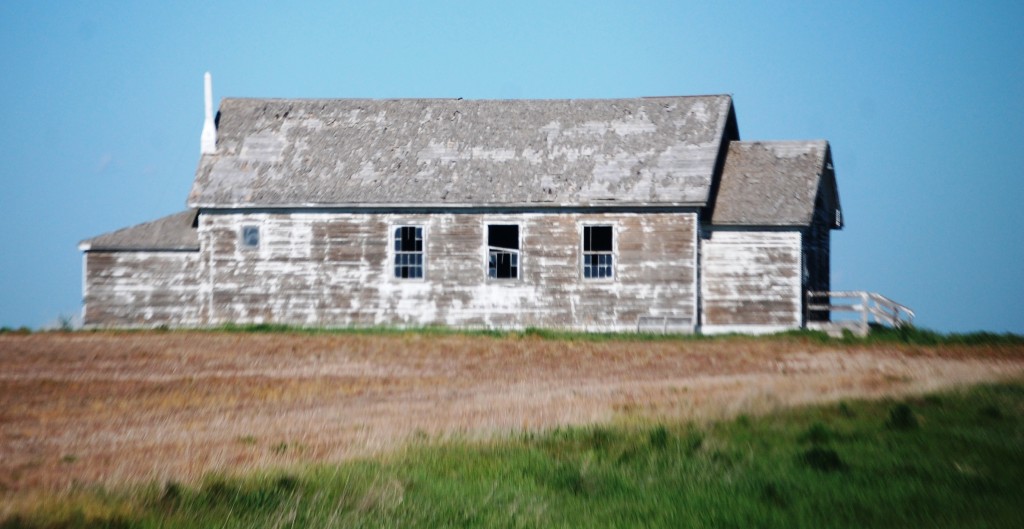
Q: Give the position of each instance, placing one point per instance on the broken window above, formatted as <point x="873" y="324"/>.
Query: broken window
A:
<point x="250" y="237"/>
<point x="597" y="252"/>
<point x="503" y="251"/>
<point x="409" y="252"/>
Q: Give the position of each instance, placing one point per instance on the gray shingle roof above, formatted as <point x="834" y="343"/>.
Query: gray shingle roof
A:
<point x="772" y="183"/>
<point x="173" y="232"/>
<point x="422" y="152"/>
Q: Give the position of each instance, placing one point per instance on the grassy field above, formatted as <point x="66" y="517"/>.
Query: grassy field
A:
<point x="294" y="427"/>
<point x="952" y="459"/>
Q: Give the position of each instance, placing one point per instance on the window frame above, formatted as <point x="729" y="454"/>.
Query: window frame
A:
<point x="243" y="241"/>
<point x="394" y="253"/>
<point x="518" y="252"/>
<point x="612" y="253"/>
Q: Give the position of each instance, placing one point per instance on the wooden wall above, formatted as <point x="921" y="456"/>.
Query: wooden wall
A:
<point x="335" y="269"/>
<point x="751" y="281"/>
<point x="817" y="259"/>
<point x="143" y="289"/>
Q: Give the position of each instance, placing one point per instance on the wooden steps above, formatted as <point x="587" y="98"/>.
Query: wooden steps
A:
<point x="868" y="308"/>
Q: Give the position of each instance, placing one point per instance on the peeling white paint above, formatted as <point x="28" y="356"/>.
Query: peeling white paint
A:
<point x="142" y="289"/>
<point x="339" y="271"/>
<point x="751" y="280"/>
<point x="336" y="269"/>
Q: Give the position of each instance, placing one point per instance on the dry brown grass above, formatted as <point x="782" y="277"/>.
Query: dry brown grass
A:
<point x="113" y="408"/>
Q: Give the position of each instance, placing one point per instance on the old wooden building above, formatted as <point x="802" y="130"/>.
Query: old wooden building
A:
<point x="619" y="214"/>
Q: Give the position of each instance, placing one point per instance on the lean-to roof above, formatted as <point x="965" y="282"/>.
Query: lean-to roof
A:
<point x="772" y="183"/>
<point x="173" y="232"/>
<point x="462" y="153"/>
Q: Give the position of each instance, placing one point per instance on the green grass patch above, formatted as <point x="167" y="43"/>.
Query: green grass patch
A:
<point x="878" y="335"/>
<point x="437" y="330"/>
<point x="946" y="460"/>
<point x="908" y="335"/>
<point x="922" y="336"/>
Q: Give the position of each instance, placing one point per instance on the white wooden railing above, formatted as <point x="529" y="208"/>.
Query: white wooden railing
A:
<point x="872" y="308"/>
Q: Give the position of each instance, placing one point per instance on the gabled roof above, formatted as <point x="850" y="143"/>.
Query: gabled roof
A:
<point x="774" y="183"/>
<point x="173" y="232"/>
<point x="453" y="152"/>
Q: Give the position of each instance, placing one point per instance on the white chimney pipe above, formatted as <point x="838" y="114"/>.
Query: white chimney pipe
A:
<point x="208" y="141"/>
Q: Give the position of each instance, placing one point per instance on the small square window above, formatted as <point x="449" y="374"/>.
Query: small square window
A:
<point x="250" y="237"/>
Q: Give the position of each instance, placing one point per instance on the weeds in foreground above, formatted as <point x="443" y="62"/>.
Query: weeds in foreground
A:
<point x="842" y="465"/>
<point x="878" y="335"/>
<point x="823" y="459"/>
<point x="907" y="334"/>
<point x="902" y="417"/>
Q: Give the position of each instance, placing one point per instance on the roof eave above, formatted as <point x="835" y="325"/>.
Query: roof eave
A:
<point x="761" y="225"/>
<point x="443" y="205"/>
<point x="90" y="248"/>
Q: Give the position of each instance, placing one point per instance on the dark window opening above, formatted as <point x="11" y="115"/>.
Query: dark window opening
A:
<point x="597" y="252"/>
<point x="409" y="252"/>
<point x="503" y="251"/>
<point x="250" y="237"/>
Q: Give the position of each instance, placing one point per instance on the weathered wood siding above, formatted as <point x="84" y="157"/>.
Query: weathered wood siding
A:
<point x="817" y="259"/>
<point x="320" y="268"/>
<point x="141" y="288"/>
<point x="751" y="281"/>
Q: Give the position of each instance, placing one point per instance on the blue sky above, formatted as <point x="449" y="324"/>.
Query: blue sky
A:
<point x="923" y="103"/>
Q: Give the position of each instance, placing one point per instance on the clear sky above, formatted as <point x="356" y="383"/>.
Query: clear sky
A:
<point x="923" y="103"/>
